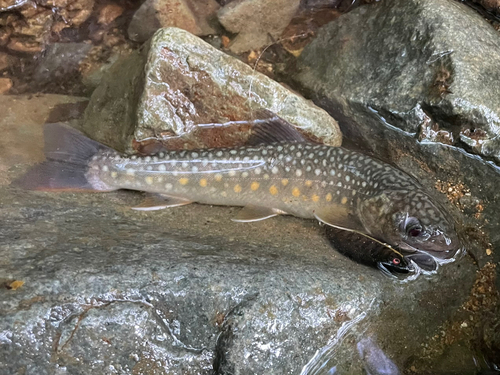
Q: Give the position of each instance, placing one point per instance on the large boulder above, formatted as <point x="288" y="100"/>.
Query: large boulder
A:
<point x="179" y="81"/>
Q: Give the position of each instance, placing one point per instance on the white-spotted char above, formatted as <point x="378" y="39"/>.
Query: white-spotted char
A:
<point x="279" y="172"/>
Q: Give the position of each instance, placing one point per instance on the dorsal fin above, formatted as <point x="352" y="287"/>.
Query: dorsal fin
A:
<point x="270" y="128"/>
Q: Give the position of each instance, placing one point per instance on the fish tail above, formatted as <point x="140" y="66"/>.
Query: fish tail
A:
<point x="68" y="153"/>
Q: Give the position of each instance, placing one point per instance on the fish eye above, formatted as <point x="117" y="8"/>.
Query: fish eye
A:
<point x="413" y="227"/>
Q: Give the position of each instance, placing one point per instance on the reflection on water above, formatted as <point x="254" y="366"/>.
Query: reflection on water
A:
<point x="331" y="360"/>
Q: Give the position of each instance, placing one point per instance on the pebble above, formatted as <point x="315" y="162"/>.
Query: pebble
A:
<point x="109" y="13"/>
<point x="5" y="85"/>
<point x="4" y="61"/>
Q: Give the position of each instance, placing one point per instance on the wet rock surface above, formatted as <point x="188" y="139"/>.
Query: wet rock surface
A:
<point x="89" y="283"/>
<point x="177" y="82"/>
<point x="429" y="79"/>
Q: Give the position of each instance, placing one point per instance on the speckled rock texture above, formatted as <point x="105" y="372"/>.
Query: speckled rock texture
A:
<point x="429" y="68"/>
<point x="88" y="283"/>
<point x="177" y="82"/>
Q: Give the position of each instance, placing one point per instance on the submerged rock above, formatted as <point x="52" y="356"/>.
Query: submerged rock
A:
<point x="177" y="82"/>
<point x="189" y="15"/>
<point x="257" y="22"/>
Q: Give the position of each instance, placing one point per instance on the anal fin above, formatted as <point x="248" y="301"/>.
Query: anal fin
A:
<point x="251" y="213"/>
<point x="154" y="202"/>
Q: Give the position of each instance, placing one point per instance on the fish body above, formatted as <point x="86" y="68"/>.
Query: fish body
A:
<point x="279" y="172"/>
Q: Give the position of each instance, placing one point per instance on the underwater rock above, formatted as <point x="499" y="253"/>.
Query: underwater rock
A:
<point x="5" y="85"/>
<point x="179" y="81"/>
<point x="60" y="61"/>
<point x="257" y="22"/>
<point x="189" y="15"/>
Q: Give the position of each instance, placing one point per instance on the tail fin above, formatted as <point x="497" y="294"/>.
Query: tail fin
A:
<point x="68" y="153"/>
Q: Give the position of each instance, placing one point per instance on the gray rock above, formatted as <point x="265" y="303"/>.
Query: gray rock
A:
<point x="189" y="15"/>
<point x="415" y="63"/>
<point x="178" y="81"/>
<point x="60" y="61"/>
<point x="257" y="22"/>
<point x="387" y="84"/>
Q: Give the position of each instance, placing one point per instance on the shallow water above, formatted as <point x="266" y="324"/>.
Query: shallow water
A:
<point x="89" y="283"/>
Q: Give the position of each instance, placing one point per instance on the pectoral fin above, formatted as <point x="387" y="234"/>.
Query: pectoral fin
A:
<point x="256" y="213"/>
<point x="154" y="202"/>
<point x="338" y="217"/>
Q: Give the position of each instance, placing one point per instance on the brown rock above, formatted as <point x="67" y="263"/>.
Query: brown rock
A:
<point x="4" y="61"/>
<point x="257" y="22"/>
<point x="5" y="85"/>
<point x="189" y="15"/>
<point x="75" y="12"/>
<point x="493" y="5"/>
<point x="27" y="45"/>
<point x="109" y="13"/>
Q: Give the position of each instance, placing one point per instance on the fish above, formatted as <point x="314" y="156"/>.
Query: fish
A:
<point x="277" y="172"/>
<point x="369" y="252"/>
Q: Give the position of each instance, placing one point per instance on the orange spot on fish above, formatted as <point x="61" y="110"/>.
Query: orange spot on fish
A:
<point x="308" y="183"/>
<point x="203" y="182"/>
<point x="237" y="188"/>
<point x="149" y="180"/>
<point x="218" y="177"/>
<point x="328" y="197"/>
<point x="254" y="186"/>
<point x="273" y="190"/>
<point x="315" y="198"/>
<point x="183" y="180"/>
<point x="344" y="200"/>
<point x="284" y="181"/>
<point x="296" y="192"/>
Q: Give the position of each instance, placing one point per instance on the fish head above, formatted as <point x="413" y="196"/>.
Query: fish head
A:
<point x="411" y="221"/>
<point x="392" y="261"/>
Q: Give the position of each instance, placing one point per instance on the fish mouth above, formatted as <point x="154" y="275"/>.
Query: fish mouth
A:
<point x="447" y="253"/>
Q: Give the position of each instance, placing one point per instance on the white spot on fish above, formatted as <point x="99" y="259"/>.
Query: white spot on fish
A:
<point x="347" y="178"/>
<point x="149" y="167"/>
<point x="155" y="158"/>
<point x="298" y="173"/>
<point x="264" y="152"/>
<point x="161" y="155"/>
<point x="317" y="172"/>
<point x="257" y="170"/>
<point x="194" y="169"/>
<point x="298" y="154"/>
<point x="232" y="173"/>
<point x="184" y="164"/>
<point x="244" y="174"/>
<point x="147" y="159"/>
<point x="308" y="168"/>
<point x="162" y="167"/>
<point x="169" y="186"/>
<point x="105" y="168"/>
<point x="218" y="154"/>
<point x="332" y="172"/>
<point x="134" y="157"/>
<point x="194" y="154"/>
<point x="275" y="170"/>
<point x="233" y="152"/>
